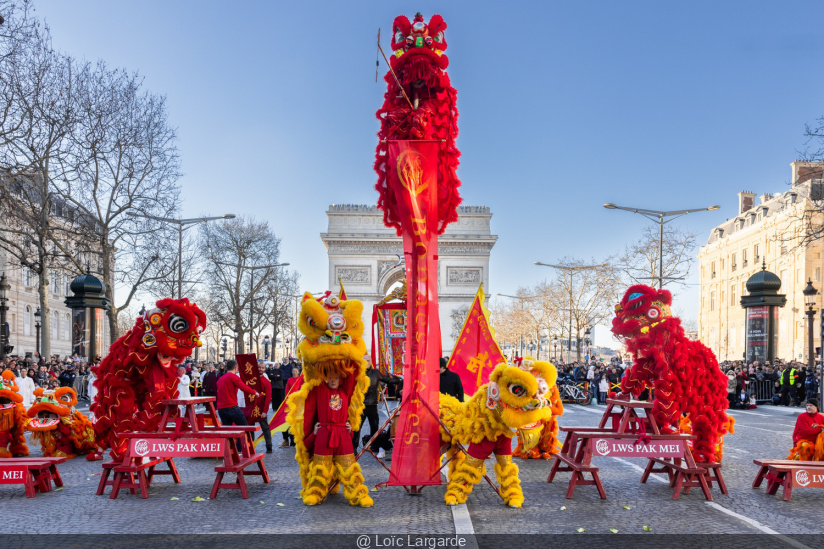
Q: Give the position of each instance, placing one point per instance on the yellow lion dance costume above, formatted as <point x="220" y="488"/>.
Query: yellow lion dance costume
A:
<point x="515" y="401"/>
<point x="328" y="406"/>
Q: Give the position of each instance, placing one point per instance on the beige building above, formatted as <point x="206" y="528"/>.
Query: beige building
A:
<point x="768" y="233"/>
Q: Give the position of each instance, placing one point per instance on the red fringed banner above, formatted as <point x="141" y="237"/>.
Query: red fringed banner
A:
<point x="247" y="368"/>
<point x="413" y="182"/>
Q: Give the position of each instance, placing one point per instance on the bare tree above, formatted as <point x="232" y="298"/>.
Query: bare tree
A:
<point x="238" y="254"/>
<point x="276" y="306"/>
<point x="40" y="85"/>
<point x="123" y="165"/>
<point x="640" y="260"/>
<point x="587" y="292"/>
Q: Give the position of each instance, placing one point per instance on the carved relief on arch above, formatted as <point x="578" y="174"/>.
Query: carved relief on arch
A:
<point x="390" y="277"/>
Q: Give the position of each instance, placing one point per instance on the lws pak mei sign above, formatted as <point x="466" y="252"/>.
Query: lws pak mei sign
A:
<point x="13" y="474"/>
<point x="608" y="447"/>
<point x="189" y="447"/>
<point x="806" y="479"/>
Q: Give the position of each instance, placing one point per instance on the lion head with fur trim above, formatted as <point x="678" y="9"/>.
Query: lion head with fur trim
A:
<point x="333" y="336"/>
<point x="50" y="407"/>
<point x="515" y="401"/>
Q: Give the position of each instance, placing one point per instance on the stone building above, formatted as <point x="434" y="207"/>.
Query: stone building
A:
<point x="771" y="233"/>
<point x="363" y="253"/>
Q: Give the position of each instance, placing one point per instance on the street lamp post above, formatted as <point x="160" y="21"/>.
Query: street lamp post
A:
<point x="4" y="332"/>
<point x="810" y="292"/>
<point x="587" y="341"/>
<point x="266" y="347"/>
<point x="571" y="268"/>
<point x="37" y="316"/>
<point x="659" y="217"/>
<point x="182" y="224"/>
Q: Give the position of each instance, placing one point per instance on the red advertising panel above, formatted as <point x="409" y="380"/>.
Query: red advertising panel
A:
<point x="13" y="474"/>
<point x="804" y="478"/>
<point x="611" y="447"/>
<point x="182" y="447"/>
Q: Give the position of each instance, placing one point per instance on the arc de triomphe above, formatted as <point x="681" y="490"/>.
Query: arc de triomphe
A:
<point x="363" y="252"/>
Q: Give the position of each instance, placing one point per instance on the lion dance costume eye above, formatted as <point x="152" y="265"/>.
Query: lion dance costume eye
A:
<point x="684" y="373"/>
<point x="140" y="371"/>
<point x="333" y="348"/>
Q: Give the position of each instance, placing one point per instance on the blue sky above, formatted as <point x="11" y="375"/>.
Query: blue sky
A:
<point x="563" y="106"/>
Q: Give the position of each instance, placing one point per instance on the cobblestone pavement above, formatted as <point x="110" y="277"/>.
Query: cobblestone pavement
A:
<point x="765" y="432"/>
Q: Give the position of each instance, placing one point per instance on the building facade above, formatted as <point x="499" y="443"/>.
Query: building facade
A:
<point x="770" y="233"/>
<point x="364" y="254"/>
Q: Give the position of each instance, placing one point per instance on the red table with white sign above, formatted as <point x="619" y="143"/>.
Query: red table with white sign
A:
<point x="665" y="450"/>
<point x="35" y="473"/>
<point x="147" y="449"/>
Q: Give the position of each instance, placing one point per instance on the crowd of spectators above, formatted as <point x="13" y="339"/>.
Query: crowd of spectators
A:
<point x="781" y="383"/>
<point x="34" y="371"/>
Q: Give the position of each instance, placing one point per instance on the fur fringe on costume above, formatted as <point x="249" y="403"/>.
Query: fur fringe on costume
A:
<point x="352" y="480"/>
<point x="684" y="373"/>
<point x="804" y="450"/>
<point x="549" y="444"/>
<point x="466" y="473"/>
<point x="12" y="419"/>
<point x="507" y="473"/>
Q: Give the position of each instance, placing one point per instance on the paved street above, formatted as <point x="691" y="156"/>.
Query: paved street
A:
<point x="764" y="432"/>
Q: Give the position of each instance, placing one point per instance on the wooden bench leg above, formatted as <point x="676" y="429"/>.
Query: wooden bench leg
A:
<point x="118" y="478"/>
<point x="554" y="470"/>
<point x="702" y="478"/>
<point x="42" y="480"/>
<point x="759" y="478"/>
<point x="787" y="493"/>
<point x="719" y="478"/>
<point x="144" y="484"/>
<point x="29" y="484"/>
<point x="173" y="469"/>
<point x="573" y="482"/>
<point x="647" y="471"/>
<point x="774" y="483"/>
<point x="241" y="480"/>
<point x="598" y="485"/>
<point x="216" y="485"/>
<point x="104" y="477"/>
<point x="679" y="480"/>
<point x="263" y="472"/>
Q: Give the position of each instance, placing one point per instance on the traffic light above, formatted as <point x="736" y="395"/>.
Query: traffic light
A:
<point x="223" y="345"/>
<point x="9" y="349"/>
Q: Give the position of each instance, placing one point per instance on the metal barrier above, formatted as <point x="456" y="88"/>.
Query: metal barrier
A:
<point x="763" y="389"/>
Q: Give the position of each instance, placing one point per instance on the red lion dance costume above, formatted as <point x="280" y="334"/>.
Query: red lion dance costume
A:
<point x="420" y="64"/>
<point x="684" y="373"/>
<point x="12" y="418"/>
<point x="140" y="371"/>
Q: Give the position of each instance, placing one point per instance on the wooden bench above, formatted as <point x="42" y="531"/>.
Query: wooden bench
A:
<point x="681" y="476"/>
<point x="234" y="461"/>
<point x="239" y="469"/>
<point x="578" y="478"/>
<point x="36" y="474"/>
<point x="786" y="474"/>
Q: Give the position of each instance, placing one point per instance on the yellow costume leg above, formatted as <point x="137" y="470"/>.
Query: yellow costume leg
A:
<point x="467" y="473"/>
<point x="349" y="473"/>
<point x="318" y="479"/>
<point x="507" y="473"/>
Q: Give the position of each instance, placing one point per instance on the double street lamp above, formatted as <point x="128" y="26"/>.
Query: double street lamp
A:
<point x="182" y="224"/>
<point x="660" y="217"/>
<point x="810" y="293"/>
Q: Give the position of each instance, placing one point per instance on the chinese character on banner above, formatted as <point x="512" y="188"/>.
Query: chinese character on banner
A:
<point x="476" y="352"/>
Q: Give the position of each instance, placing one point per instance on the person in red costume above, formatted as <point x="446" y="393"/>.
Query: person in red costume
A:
<point x="325" y="418"/>
<point x="808" y="435"/>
